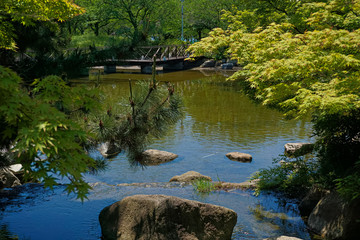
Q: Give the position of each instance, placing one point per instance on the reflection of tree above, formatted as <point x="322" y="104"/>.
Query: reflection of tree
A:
<point x="6" y="234"/>
<point x="214" y="109"/>
<point x="221" y="109"/>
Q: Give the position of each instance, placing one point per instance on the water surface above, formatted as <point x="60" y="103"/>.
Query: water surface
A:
<point x="217" y="120"/>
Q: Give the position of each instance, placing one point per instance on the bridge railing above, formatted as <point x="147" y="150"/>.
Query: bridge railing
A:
<point x="161" y="52"/>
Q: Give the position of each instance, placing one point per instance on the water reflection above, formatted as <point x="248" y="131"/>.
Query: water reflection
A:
<point x="217" y="120"/>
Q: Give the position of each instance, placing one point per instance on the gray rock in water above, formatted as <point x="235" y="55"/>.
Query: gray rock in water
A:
<point x="335" y="218"/>
<point x="156" y="157"/>
<point x="298" y="149"/>
<point x="243" y="185"/>
<point x="227" y="66"/>
<point x="240" y="157"/>
<point x="283" y="238"/>
<point x="8" y="179"/>
<point x="208" y="63"/>
<point x="189" y="177"/>
<point x="160" y="217"/>
<point x="109" y="150"/>
<point x="16" y="168"/>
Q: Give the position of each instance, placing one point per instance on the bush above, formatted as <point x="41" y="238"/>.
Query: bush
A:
<point x="291" y="176"/>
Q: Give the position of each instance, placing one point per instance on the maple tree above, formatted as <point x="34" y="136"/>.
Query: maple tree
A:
<point x="314" y="72"/>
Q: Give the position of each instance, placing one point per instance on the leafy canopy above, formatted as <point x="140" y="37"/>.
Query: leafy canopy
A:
<point x="27" y="12"/>
<point x="310" y="66"/>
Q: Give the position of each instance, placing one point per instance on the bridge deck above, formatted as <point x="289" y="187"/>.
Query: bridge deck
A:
<point x="140" y="62"/>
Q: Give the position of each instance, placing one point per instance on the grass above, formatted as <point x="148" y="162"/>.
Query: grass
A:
<point x="203" y="185"/>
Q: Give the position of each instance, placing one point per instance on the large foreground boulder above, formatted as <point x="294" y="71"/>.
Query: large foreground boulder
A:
<point x="240" y="157"/>
<point x="335" y="218"/>
<point x="310" y="200"/>
<point x="189" y="176"/>
<point x="156" y="157"/>
<point x="160" y="217"/>
<point x="8" y="179"/>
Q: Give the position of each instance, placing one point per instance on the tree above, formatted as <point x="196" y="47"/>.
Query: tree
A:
<point x="48" y="126"/>
<point x="27" y="12"/>
<point x="202" y="16"/>
<point x="133" y="15"/>
<point x="311" y="73"/>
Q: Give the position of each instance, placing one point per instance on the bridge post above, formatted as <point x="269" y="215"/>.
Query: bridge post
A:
<point x="173" y="66"/>
<point x="110" y="68"/>
<point x="146" y="69"/>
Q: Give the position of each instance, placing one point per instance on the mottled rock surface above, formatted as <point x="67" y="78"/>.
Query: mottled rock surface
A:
<point x="8" y="179"/>
<point x="156" y="157"/>
<point x="109" y="150"/>
<point x="311" y="199"/>
<point x="283" y="238"/>
<point x="244" y="185"/>
<point x="189" y="177"/>
<point x="208" y="63"/>
<point x="240" y="157"/>
<point x="160" y="217"/>
<point x="335" y="218"/>
<point x="16" y="168"/>
<point x="298" y="149"/>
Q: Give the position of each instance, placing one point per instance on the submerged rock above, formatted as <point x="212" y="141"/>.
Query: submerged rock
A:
<point x="189" y="177"/>
<point x="160" y="217"/>
<point x="335" y="218"/>
<point x="298" y="149"/>
<point x="244" y="185"/>
<point x="109" y="149"/>
<point x="227" y="66"/>
<point x="240" y="157"/>
<point x="156" y="157"/>
<point x="8" y="179"/>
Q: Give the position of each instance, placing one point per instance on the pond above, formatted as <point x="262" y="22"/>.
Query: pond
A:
<point x="217" y="119"/>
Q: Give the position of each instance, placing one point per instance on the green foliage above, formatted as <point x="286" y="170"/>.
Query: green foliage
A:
<point x="151" y="110"/>
<point x="89" y="39"/>
<point x="27" y="12"/>
<point x="349" y="186"/>
<point x="46" y="142"/>
<point x="301" y="67"/>
<point x="291" y="176"/>
<point x="49" y="132"/>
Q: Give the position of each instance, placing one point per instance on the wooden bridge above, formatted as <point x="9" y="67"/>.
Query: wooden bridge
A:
<point x="170" y="57"/>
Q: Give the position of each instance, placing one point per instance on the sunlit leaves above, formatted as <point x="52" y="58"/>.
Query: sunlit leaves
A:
<point x="45" y="140"/>
<point x="27" y="12"/>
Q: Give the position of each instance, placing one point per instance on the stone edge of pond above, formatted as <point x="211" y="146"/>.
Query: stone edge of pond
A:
<point x="248" y="185"/>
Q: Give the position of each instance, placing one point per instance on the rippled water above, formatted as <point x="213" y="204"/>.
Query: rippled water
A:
<point x="217" y="120"/>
